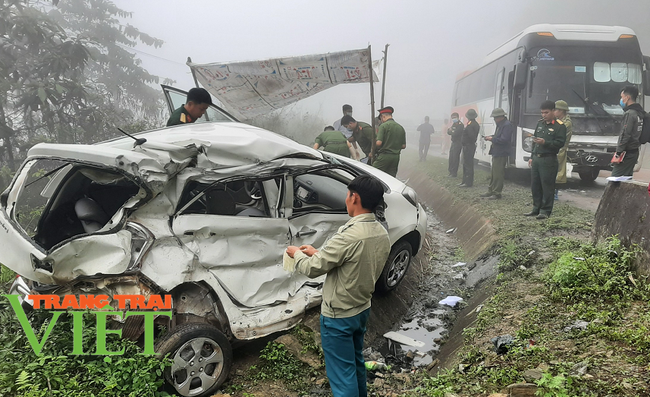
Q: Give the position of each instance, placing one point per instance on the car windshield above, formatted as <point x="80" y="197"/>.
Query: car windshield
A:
<point x="590" y="87"/>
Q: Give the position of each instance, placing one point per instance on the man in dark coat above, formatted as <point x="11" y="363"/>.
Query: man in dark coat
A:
<point x="500" y="151"/>
<point x="631" y="126"/>
<point x="456" y="133"/>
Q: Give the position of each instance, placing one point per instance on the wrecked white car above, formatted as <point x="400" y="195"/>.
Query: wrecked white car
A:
<point x="203" y="212"/>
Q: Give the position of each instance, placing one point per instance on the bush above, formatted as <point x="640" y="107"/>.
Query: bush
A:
<point x="599" y="273"/>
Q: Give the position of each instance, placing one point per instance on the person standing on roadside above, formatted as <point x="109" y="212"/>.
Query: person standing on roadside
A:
<point x="456" y="133"/>
<point x="426" y="131"/>
<point x="353" y="260"/>
<point x="500" y="151"/>
<point x="562" y="114"/>
<point x="628" y="139"/>
<point x="362" y="134"/>
<point x="468" y="141"/>
<point x="548" y="139"/>
<point x="333" y="141"/>
<point x="391" y="139"/>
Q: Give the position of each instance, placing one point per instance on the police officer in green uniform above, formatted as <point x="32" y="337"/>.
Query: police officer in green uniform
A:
<point x="333" y="141"/>
<point x="548" y="139"/>
<point x="362" y="133"/>
<point x="391" y="139"/>
<point x="198" y="101"/>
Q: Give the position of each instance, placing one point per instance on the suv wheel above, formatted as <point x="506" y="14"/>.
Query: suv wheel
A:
<point x="201" y="359"/>
<point x="396" y="266"/>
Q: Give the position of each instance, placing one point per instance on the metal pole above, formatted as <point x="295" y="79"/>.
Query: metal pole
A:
<point x="383" y="79"/>
<point x="372" y="105"/>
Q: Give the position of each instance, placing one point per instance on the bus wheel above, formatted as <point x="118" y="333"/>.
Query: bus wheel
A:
<point x="589" y="174"/>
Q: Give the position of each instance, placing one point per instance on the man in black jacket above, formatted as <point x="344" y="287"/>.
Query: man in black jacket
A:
<point x="631" y="126"/>
<point x="456" y="132"/>
<point x="500" y="151"/>
<point x="468" y="140"/>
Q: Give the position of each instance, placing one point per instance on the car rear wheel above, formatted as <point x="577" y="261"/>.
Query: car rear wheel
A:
<point x="396" y="266"/>
<point x="201" y="359"/>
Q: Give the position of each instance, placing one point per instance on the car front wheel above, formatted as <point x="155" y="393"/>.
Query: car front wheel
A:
<point x="201" y="359"/>
<point x="396" y="266"/>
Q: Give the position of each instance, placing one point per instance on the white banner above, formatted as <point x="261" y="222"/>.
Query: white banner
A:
<point x="249" y="89"/>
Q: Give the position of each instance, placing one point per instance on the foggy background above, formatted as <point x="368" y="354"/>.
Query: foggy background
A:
<point x="431" y="41"/>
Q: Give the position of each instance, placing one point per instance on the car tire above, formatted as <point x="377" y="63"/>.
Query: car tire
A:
<point x="195" y="373"/>
<point x="395" y="269"/>
<point x="589" y="175"/>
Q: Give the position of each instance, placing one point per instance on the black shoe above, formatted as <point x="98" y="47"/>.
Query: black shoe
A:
<point x="495" y="197"/>
<point x="532" y="213"/>
<point x="488" y="194"/>
<point x="541" y="216"/>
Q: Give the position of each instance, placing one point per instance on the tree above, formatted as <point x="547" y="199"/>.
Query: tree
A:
<point x="66" y="74"/>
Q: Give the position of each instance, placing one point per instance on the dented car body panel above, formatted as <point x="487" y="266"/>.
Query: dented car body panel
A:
<point x="202" y="210"/>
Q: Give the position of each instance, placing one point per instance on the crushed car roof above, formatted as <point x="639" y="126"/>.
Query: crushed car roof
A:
<point x="225" y="144"/>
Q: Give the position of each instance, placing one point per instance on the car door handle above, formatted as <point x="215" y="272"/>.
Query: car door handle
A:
<point x="305" y="232"/>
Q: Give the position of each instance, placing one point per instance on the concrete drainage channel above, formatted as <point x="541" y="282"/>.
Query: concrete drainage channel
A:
<point x="414" y="312"/>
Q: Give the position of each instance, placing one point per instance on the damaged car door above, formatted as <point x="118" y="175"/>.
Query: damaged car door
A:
<point x="237" y="230"/>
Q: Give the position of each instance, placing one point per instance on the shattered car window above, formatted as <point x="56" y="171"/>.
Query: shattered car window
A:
<point x="234" y="198"/>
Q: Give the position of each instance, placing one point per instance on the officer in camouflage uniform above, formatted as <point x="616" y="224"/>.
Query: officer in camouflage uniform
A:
<point x="548" y="139"/>
<point x="391" y="139"/>
<point x="562" y="114"/>
<point x="333" y="141"/>
<point x="198" y="101"/>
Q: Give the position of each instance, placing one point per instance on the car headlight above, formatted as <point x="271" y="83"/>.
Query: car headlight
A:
<point x="410" y="195"/>
<point x="526" y="141"/>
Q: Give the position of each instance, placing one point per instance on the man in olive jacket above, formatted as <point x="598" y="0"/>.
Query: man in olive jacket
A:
<point x="548" y="139"/>
<point x="468" y="140"/>
<point x="631" y="126"/>
<point x="353" y="260"/>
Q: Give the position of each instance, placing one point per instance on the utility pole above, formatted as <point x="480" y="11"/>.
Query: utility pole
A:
<point x="372" y="104"/>
<point x="383" y="79"/>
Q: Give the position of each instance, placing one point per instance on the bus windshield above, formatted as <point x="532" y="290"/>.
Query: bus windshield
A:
<point x="590" y="86"/>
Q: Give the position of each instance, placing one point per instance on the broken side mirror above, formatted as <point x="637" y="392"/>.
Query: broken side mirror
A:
<point x="521" y="70"/>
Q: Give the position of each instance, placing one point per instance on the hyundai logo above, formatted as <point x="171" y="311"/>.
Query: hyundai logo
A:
<point x="591" y="159"/>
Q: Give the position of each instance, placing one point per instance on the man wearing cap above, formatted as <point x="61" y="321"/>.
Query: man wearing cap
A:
<point x="362" y="133"/>
<point x="468" y="140"/>
<point x="426" y="130"/>
<point x="548" y="139"/>
<point x="456" y="133"/>
<point x="198" y="100"/>
<point x="500" y="151"/>
<point x="391" y="139"/>
<point x="562" y="114"/>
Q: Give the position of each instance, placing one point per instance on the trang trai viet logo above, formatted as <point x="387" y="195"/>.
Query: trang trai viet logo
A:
<point x="99" y="306"/>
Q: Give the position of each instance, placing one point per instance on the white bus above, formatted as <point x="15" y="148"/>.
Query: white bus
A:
<point x="587" y="66"/>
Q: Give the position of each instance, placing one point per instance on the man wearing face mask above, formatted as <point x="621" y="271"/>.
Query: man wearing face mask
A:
<point x="631" y="126"/>
<point x="456" y="133"/>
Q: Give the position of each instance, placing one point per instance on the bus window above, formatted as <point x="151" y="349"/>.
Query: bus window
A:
<point x="498" y="90"/>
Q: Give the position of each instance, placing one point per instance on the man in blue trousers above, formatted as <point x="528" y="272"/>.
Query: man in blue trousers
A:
<point x="353" y="260"/>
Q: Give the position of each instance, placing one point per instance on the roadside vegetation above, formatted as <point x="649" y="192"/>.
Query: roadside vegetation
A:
<point x="577" y="312"/>
<point x="58" y="373"/>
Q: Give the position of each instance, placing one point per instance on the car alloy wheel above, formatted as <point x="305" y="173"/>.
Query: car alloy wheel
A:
<point x="396" y="266"/>
<point x="201" y="359"/>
